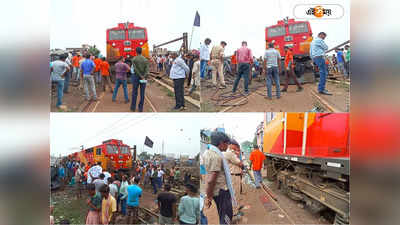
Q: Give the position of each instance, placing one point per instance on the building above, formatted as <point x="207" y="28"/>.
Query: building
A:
<point x="84" y="48"/>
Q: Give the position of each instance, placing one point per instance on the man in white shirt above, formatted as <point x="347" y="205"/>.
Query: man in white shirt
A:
<point x="68" y="75"/>
<point x="106" y="176"/>
<point x="160" y="177"/>
<point x="177" y="74"/>
<point x="113" y="188"/>
<point x="94" y="172"/>
<point x="204" y="56"/>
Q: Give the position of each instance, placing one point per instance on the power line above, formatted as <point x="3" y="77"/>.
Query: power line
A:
<point x="107" y="128"/>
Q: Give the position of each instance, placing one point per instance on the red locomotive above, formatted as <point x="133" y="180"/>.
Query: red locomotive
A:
<point x="123" y="40"/>
<point x="113" y="155"/>
<point x="296" y="35"/>
<point x="308" y="155"/>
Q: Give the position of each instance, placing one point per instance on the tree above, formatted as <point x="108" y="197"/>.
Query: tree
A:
<point x="94" y="51"/>
<point x="255" y="140"/>
<point x="144" y="156"/>
<point x="247" y="146"/>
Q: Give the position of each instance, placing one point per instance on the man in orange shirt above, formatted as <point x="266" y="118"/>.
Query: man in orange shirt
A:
<point x="289" y="70"/>
<point x="105" y="74"/>
<point x="234" y="63"/>
<point x="97" y="61"/>
<point x="75" y="64"/>
<point x="256" y="161"/>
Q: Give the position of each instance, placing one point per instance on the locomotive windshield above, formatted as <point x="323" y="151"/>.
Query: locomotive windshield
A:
<point x="124" y="149"/>
<point x="112" y="149"/>
<point x="298" y="28"/>
<point x="136" y="34"/>
<point x="276" y="31"/>
<point x="116" y="35"/>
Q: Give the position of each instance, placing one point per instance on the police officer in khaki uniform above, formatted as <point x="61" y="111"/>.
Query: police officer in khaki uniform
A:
<point x="217" y="61"/>
<point x="235" y="165"/>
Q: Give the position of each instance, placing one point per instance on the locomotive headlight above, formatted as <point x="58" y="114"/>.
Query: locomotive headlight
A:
<point x="113" y="44"/>
<point x="141" y="43"/>
<point x="304" y="37"/>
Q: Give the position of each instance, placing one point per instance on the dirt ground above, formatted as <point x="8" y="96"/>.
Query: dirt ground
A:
<point x="158" y="99"/>
<point x="290" y="101"/>
<point x="260" y="209"/>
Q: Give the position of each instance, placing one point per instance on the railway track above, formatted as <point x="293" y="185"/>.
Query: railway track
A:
<point x="91" y="106"/>
<point x="272" y="197"/>
<point x="155" y="76"/>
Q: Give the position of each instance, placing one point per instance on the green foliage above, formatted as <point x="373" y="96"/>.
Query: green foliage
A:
<point x="247" y="146"/>
<point x="255" y="140"/>
<point x="94" y="51"/>
<point x="144" y="156"/>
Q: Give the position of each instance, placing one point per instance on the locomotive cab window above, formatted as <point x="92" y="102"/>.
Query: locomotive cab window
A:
<point x="136" y="34"/>
<point x="124" y="149"/>
<point x="116" y="35"/>
<point x="276" y="31"/>
<point x="112" y="149"/>
<point x="98" y="151"/>
<point x="298" y="28"/>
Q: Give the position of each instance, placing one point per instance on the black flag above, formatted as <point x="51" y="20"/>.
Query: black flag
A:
<point x="148" y="142"/>
<point x="197" y="20"/>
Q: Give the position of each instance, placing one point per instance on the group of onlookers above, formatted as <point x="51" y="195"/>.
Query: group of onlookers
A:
<point x="110" y="193"/>
<point x="246" y="66"/>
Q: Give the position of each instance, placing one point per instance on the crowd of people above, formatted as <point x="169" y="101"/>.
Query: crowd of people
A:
<point x="222" y="167"/>
<point x="91" y="71"/>
<point x="244" y="65"/>
<point x="110" y="193"/>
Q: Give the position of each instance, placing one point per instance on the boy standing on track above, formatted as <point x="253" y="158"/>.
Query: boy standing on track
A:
<point x="141" y="70"/>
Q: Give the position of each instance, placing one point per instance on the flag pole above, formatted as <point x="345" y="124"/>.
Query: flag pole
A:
<point x="191" y="38"/>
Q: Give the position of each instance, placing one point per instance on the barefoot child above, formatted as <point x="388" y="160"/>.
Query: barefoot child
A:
<point x="94" y="202"/>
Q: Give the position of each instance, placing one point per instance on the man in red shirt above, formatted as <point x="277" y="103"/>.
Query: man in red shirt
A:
<point x="289" y="70"/>
<point x="244" y="59"/>
<point x="97" y="61"/>
<point x="256" y="162"/>
<point x="75" y="64"/>
<point x="105" y="75"/>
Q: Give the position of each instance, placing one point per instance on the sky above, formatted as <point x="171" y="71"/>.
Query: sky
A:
<point x="75" y="22"/>
<point x="241" y="125"/>
<point x="68" y="131"/>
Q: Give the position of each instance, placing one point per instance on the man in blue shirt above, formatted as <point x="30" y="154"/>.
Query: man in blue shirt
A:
<point x="341" y="60"/>
<point x="134" y="193"/>
<point x="317" y="53"/>
<point x="178" y="73"/>
<point x="87" y="69"/>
